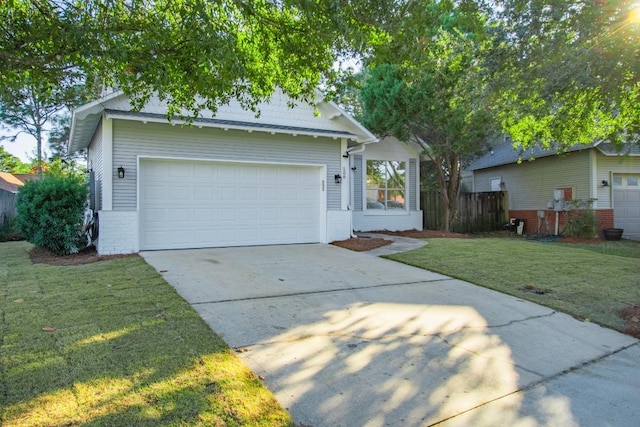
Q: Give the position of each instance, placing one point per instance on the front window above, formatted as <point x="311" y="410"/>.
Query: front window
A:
<point x="385" y="184"/>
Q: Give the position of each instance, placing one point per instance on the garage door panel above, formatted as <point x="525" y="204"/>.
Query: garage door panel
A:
<point x="179" y="193"/>
<point x="626" y="204"/>
<point x="207" y="204"/>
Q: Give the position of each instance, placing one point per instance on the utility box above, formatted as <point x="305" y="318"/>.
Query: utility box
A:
<point x="558" y="200"/>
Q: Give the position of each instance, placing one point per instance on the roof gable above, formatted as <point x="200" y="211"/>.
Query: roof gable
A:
<point x="276" y="116"/>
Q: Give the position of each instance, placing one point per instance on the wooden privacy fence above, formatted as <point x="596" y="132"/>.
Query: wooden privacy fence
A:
<point x="7" y="205"/>
<point x="476" y="212"/>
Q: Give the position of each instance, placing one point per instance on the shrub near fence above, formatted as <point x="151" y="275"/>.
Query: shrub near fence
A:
<point x="476" y="212"/>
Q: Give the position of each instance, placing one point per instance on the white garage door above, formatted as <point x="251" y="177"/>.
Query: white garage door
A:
<point x="626" y="204"/>
<point x="192" y="204"/>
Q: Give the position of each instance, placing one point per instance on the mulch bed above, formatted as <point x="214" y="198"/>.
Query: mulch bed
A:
<point x="361" y="244"/>
<point x="43" y="256"/>
<point x="631" y="317"/>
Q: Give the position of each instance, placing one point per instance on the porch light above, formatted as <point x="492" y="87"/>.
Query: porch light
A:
<point x="605" y="183"/>
<point x="120" y="172"/>
<point x="337" y="178"/>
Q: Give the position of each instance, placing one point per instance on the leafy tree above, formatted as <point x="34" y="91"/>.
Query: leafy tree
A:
<point x="12" y="164"/>
<point x="59" y="142"/>
<point x="568" y="71"/>
<point x="31" y="108"/>
<point x="50" y="212"/>
<point x="59" y="137"/>
<point x="193" y="53"/>
<point x="428" y="83"/>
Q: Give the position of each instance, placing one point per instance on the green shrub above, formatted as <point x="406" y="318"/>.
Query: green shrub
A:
<point x="50" y="212"/>
<point x="9" y="229"/>
<point x="581" y="222"/>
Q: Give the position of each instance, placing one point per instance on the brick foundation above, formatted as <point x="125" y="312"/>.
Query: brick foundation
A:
<point x="118" y="232"/>
<point x="604" y="219"/>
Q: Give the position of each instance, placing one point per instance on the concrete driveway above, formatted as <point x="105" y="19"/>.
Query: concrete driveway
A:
<point x="349" y="339"/>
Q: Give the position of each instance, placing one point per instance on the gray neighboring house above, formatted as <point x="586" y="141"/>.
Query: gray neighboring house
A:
<point x="596" y="171"/>
<point x="291" y="175"/>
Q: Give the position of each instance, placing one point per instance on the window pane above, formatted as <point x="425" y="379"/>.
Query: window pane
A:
<point x="632" y="181"/>
<point x="617" y="180"/>
<point x="395" y="199"/>
<point x="385" y="184"/>
<point x="376" y="173"/>
<point x="395" y="175"/>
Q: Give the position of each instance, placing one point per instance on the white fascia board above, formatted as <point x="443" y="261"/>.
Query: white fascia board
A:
<point x="230" y="126"/>
<point x="87" y="116"/>
<point x="337" y="113"/>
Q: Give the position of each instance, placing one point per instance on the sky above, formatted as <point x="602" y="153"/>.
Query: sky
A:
<point x="23" y="147"/>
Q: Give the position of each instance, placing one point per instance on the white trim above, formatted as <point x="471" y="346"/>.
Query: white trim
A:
<point x="323" y="204"/>
<point x="392" y="212"/>
<point x="231" y="126"/>
<point x="339" y="113"/>
<point x="107" y="164"/>
<point x="593" y="174"/>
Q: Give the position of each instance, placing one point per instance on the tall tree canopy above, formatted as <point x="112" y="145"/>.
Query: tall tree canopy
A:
<point x="35" y="107"/>
<point x="181" y="49"/>
<point x="427" y="84"/>
<point x="12" y="164"/>
<point x="569" y="71"/>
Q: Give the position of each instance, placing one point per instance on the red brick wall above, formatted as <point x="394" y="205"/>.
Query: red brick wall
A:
<point x="604" y="218"/>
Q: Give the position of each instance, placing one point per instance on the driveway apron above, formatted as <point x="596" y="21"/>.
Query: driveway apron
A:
<point x="349" y="339"/>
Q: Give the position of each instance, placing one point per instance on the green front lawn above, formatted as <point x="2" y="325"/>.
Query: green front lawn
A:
<point x="125" y="350"/>
<point x="588" y="281"/>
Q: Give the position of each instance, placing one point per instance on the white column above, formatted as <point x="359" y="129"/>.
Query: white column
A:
<point x="107" y="164"/>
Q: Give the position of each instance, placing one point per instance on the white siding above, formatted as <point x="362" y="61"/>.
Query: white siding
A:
<point x="132" y="139"/>
<point x="94" y="156"/>
<point x="606" y="167"/>
<point x="530" y="184"/>
<point x="410" y="220"/>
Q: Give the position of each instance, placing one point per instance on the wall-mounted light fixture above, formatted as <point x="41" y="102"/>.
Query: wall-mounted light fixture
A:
<point x="337" y="178"/>
<point x="605" y="183"/>
<point x="120" y="172"/>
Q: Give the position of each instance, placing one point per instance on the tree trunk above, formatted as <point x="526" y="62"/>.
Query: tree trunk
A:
<point x="39" y="150"/>
<point x="448" y="168"/>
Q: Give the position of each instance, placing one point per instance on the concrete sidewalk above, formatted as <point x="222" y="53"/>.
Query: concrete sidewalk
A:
<point x="350" y="339"/>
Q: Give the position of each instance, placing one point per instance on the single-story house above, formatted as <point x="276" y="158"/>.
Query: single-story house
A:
<point x="9" y="186"/>
<point x="290" y="175"/>
<point x="538" y="181"/>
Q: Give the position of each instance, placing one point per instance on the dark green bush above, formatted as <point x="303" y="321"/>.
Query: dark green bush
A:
<point x="50" y="213"/>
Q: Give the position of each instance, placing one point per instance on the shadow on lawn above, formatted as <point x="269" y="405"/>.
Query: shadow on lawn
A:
<point x="126" y="350"/>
